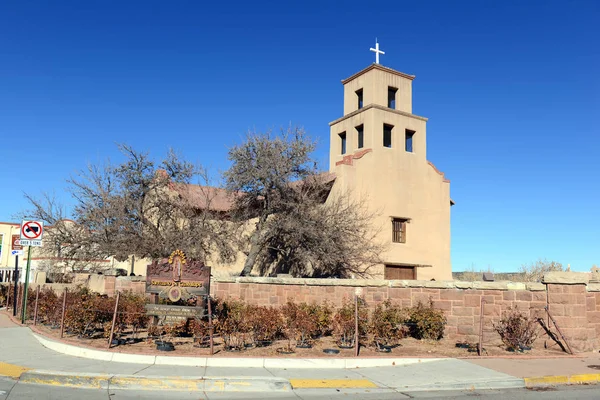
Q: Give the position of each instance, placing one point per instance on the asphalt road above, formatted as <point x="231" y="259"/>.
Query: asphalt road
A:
<point x="12" y="390"/>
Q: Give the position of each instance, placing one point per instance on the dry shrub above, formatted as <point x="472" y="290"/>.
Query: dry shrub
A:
<point x="426" y="322"/>
<point x="344" y="322"/>
<point x="386" y="324"/>
<point x="517" y="330"/>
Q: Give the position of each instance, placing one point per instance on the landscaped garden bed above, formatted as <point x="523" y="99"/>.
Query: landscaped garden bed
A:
<point x="293" y="330"/>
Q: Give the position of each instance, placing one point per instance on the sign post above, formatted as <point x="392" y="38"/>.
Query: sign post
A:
<point x="16" y="278"/>
<point x="26" y="288"/>
<point x="31" y="235"/>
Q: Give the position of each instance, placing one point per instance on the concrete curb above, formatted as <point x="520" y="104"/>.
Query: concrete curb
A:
<point x="562" y="380"/>
<point x="336" y="363"/>
<point x="178" y="383"/>
<point x="509" y="383"/>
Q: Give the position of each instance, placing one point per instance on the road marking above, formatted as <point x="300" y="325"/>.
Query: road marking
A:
<point x="11" y="370"/>
<point x="561" y="379"/>
<point x="332" y="383"/>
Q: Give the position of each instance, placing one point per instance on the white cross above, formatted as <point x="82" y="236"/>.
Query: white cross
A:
<point x="376" y="51"/>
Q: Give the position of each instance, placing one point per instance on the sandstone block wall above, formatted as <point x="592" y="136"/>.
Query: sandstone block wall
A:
<point x="572" y="301"/>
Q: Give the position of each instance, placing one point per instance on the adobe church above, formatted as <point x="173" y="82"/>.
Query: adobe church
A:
<point x="378" y="151"/>
<point x="378" y="148"/>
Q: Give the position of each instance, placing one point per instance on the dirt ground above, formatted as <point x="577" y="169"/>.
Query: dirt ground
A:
<point x="408" y="347"/>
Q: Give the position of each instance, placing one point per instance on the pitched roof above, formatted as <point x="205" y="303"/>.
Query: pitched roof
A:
<point x="221" y="200"/>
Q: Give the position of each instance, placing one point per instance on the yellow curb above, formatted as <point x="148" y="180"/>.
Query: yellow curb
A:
<point x="332" y="383"/>
<point x="171" y="383"/>
<point x="74" y="381"/>
<point x="14" y="371"/>
<point x="561" y="379"/>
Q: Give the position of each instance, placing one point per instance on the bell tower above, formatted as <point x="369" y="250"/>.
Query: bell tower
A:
<point x="378" y="150"/>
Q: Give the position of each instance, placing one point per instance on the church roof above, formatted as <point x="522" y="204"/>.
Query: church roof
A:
<point x="222" y="200"/>
<point x="381" y="68"/>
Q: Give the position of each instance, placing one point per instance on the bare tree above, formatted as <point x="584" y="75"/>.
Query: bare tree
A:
<point x="143" y="209"/>
<point x="298" y="228"/>
<point x="535" y="271"/>
<point x="67" y="245"/>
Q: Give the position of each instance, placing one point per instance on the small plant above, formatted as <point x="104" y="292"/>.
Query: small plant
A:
<point x="517" y="331"/>
<point x="322" y="315"/>
<point x="266" y="324"/>
<point x="232" y="324"/>
<point x="426" y="322"/>
<point x="385" y="325"/>
<point x="299" y="324"/>
<point x="344" y="322"/>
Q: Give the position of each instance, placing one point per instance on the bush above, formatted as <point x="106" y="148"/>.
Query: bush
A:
<point x="425" y="322"/>
<point x="300" y="324"/>
<point x="49" y="307"/>
<point x="322" y="314"/>
<point x="516" y="330"/>
<point x="232" y="323"/>
<point x="385" y="324"/>
<point x="344" y="323"/>
<point x="266" y="323"/>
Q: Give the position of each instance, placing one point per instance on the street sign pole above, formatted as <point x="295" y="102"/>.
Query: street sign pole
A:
<point x="16" y="278"/>
<point x="24" y="314"/>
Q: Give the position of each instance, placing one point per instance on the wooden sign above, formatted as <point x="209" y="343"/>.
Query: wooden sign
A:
<point x="177" y="277"/>
<point x="162" y="310"/>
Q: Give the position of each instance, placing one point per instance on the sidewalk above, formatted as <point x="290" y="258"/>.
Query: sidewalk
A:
<point x="22" y="356"/>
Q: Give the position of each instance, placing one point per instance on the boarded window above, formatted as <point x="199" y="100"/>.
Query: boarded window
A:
<point x="398" y="272"/>
<point x="360" y="133"/>
<point x="387" y="135"/>
<point x="399" y="230"/>
<point x="343" y="142"/>
<point x="408" y="140"/>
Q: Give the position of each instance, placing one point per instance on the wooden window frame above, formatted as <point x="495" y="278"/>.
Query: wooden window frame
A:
<point x="390" y="267"/>
<point x="399" y="229"/>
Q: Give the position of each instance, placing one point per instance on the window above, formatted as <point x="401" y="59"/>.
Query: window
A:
<point x="387" y="135"/>
<point x="408" y="140"/>
<point x="397" y="272"/>
<point x="359" y="95"/>
<point x="392" y="97"/>
<point x="343" y="142"/>
<point x="360" y="133"/>
<point x="399" y="230"/>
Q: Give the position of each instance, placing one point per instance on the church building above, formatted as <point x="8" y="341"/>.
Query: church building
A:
<point x="378" y="149"/>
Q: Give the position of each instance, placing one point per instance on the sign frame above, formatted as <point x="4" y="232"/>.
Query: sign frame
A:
<point x="28" y="226"/>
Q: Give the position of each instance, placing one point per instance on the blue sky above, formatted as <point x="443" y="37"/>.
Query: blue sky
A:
<point x="511" y="90"/>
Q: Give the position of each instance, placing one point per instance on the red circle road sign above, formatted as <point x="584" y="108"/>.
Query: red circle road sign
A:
<point x="31" y="230"/>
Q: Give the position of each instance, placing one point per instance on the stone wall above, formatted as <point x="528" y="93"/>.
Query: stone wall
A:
<point x="572" y="300"/>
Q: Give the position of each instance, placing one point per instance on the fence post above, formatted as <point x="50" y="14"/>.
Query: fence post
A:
<point x="356" y="341"/>
<point x="112" y="328"/>
<point x="19" y="300"/>
<point x="480" y="345"/>
<point x="37" y="296"/>
<point x="8" y="296"/>
<point x="210" y="325"/>
<point x="62" y="318"/>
